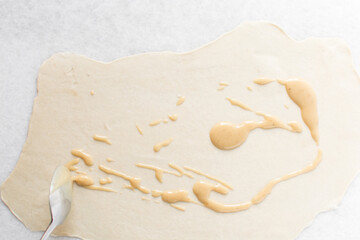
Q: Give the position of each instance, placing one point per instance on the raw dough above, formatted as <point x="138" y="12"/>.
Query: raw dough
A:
<point x="139" y="89"/>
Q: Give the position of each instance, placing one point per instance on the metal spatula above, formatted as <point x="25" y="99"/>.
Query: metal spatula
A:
<point x="60" y="199"/>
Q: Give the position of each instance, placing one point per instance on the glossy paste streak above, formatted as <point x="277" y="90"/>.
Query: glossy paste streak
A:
<point x="220" y="88"/>
<point x="83" y="155"/>
<point x="160" y="145"/>
<point x="70" y="164"/>
<point x="83" y="180"/>
<point x="173" y="117"/>
<point x="139" y="129"/>
<point x="227" y="135"/>
<point x="135" y="183"/>
<point x="181" y="208"/>
<point x="180" y="170"/>
<point x="158" y="171"/>
<point x="202" y="191"/>
<point x="267" y="189"/>
<point x="209" y="177"/>
<point x="102" y="139"/>
<point x="180" y="101"/>
<point x="302" y="94"/>
<point x="238" y="103"/>
<point x="81" y="172"/>
<point x="156" y="122"/>
<point x="99" y="188"/>
<point x="263" y="81"/>
<point x="173" y="196"/>
<point x="106" y="180"/>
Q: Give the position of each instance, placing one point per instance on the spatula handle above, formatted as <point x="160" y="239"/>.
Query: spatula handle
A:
<point x="48" y="231"/>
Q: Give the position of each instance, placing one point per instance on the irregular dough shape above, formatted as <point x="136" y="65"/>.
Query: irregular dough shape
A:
<point x="138" y="89"/>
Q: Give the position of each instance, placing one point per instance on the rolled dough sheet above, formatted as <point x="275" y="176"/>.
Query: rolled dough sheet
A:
<point x="143" y="88"/>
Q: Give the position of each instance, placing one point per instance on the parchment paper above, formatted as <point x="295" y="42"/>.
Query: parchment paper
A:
<point x="143" y="88"/>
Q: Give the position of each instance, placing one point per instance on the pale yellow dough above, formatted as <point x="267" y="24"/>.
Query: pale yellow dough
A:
<point x="139" y="89"/>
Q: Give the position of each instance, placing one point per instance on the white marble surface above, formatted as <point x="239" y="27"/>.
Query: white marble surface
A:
<point x="31" y="31"/>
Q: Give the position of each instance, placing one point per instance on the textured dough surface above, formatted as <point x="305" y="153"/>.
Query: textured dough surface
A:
<point x="142" y="88"/>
